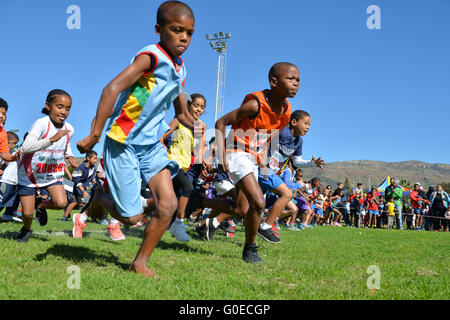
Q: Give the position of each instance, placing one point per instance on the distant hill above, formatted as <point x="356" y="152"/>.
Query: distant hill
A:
<point x="357" y="171"/>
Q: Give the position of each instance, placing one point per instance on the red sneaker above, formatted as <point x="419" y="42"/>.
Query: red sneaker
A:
<point x="78" y="226"/>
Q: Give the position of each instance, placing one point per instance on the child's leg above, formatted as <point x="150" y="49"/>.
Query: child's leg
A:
<point x="28" y="203"/>
<point x="58" y="197"/>
<point x="284" y="197"/>
<point x="166" y="204"/>
<point x="253" y="194"/>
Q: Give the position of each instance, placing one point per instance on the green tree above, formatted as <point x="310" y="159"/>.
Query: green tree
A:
<point x="347" y="185"/>
<point x="406" y="183"/>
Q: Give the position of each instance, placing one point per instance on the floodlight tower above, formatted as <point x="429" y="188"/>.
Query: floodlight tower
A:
<point x="218" y="43"/>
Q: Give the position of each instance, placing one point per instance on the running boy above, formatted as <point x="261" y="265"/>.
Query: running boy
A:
<point x="261" y="115"/>
<point x="147" y="88"/>
<point x="288" y="145"/>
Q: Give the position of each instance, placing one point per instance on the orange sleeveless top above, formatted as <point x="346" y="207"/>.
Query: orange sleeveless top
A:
<point x="253" y="134"/>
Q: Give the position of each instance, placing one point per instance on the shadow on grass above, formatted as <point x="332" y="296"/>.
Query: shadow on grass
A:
<point x="13" y="235"/>
<point x="180" y="246"/>
<point x="76" y="255"/>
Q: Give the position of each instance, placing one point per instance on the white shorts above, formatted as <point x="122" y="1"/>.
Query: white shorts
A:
<point x="240" y="164"/>
<point x="223" y="186"/>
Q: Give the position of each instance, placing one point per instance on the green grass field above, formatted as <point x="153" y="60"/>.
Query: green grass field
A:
<point x="323" y="263"/>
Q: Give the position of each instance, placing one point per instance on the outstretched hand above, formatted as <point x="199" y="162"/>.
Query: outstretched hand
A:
<point x="87" y="143"/>
<point x="319" y="162"/>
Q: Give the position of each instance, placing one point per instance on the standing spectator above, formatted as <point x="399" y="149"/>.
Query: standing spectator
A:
<point x="428" y="221"/>
<point x="396" y="193"/>
<point x="439" y="203"/>
<point x="343" y="206"/>
<point x="417" y="202"/>
<point x="391" y="213"/>
<point x="372" y="200"/>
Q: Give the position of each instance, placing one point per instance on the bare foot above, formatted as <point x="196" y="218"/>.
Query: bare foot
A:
<point x="142" y="269"/>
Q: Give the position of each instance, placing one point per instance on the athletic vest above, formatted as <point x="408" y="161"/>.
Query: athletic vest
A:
<point x="141" y="109"/>
<point x="253" y="134"/>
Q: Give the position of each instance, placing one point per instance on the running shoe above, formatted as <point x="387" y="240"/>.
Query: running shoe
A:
<point x="41" y="216"/>
<point x="268" y="235"/>
<point x="178" y="230"/>
<point x="78" y="226"/>
<point x="24" y="235"/>
<point x="115" y="233"/>
<point x="201" y="231"/>
<point x="64" y="219"/>
<point x="210" y="229"/>
<point x="292" y="227"/>
<point x="250" y="254"/>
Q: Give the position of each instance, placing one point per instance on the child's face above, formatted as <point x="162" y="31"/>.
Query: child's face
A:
<point x="92" y="160"/>
<point x="59" y="109"/>
<point x="298" y="175"/>
<point x="176" y="34"/>
<point x="197" y="107"/>
<point x="301" y="127"/>
<point x="12" y="144"/>
<point x="2" y="116"/>
<point x="287" y="82"/>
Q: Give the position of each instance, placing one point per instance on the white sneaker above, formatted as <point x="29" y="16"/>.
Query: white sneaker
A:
<point x="179" y="232"/>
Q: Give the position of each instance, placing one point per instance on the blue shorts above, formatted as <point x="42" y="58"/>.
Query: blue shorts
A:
<point x="374" y="212"/>
<point x="8" y="194"/>
<point x="418" y="211"/>
<point x="272" y="182"/>
<point x="126" y="165"/>
<point x="31" y="191"/>
<point x="318" y="211"/>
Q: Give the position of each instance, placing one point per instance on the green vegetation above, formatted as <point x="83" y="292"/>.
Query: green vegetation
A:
<point x="322" y="263"/>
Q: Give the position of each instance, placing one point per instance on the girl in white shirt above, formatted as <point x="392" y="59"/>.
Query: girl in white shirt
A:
<point x="45" y="149"/>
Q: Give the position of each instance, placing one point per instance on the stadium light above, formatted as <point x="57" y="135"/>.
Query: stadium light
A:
<point x="218" y="43"/>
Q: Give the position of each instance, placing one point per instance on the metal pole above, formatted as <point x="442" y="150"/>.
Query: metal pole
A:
<point x="217" y="89"/>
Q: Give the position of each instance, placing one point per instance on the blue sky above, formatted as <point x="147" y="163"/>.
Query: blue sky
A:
<point x="372" y="94"/>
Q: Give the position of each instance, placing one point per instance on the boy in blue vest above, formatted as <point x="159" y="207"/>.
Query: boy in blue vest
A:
<point x="132" y="150"/>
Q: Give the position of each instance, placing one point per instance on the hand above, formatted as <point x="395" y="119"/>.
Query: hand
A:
<point x="318" y="162"/>
<point x="73" y="162"/>
<point x="85" y="194"/>
<point x="87" y="143"/>
<point x="16" y="155"/>
<point x="59" y="135"/>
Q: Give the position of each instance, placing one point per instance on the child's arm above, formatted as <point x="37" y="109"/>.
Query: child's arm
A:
<point x="181" y="111"/>
<point x="247" y="109"/>
<point x="67" y="172"/>
<point x="173" y="126"/>
<point x="142" y="64"/>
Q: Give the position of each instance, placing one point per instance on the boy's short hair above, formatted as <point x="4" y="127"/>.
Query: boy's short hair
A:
<point x="3" y="104"/>
<point x="299" y="114"/>
<point x="275" y="69"/>
<point x="12" y="136"/>
<point x="91" y="153"/>
<point x="171" y="8"/>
